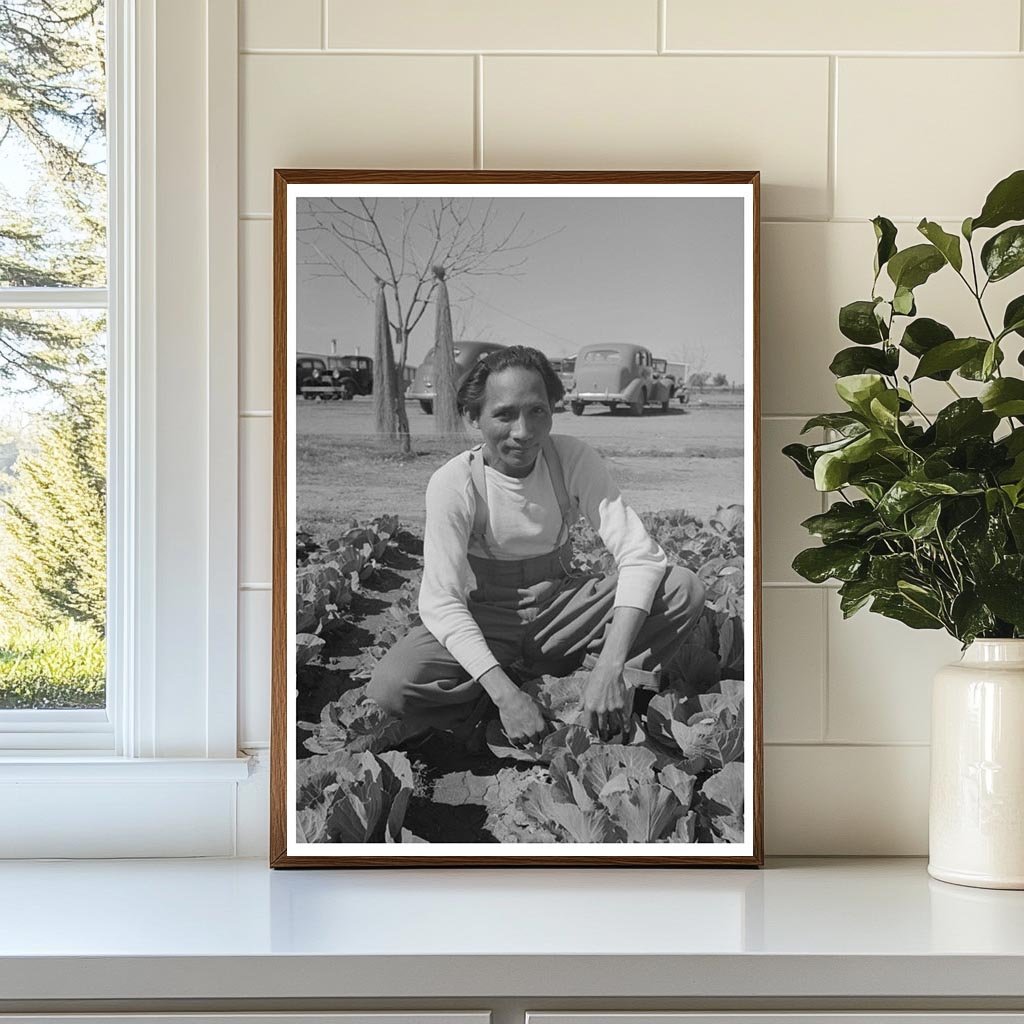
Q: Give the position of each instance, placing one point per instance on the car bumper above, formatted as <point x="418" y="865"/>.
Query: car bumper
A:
<point x="597" y="396"/>
<point x="420" y="396"/>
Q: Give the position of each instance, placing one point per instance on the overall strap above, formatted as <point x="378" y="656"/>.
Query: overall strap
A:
<point x="478" y="533"/>
<point x="566" y="506"/>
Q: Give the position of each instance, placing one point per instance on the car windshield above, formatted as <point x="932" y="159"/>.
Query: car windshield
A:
<point x="603" y="355"/>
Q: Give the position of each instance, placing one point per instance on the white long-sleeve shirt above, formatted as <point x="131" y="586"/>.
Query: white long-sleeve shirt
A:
<point x="523" y="521"/>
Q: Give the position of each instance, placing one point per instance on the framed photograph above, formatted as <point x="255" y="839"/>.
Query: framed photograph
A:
<point x="516" y="608"/>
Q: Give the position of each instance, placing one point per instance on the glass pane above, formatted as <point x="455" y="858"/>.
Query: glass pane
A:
<point x="53" y="147"/>
<point x="53" y="451"/>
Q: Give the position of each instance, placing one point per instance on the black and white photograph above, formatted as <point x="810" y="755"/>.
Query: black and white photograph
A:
<point x="516" y="561"/>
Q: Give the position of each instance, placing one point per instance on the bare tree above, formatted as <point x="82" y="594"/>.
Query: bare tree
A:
<point x="398" y="242"/>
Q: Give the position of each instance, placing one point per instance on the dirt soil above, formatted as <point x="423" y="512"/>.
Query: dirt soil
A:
<point x="662" y="460"/>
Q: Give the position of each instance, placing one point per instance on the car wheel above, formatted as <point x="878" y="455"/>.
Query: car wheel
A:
<point x="577" y="408"/>
<point x="613" y="406"/>
<point x="427" y="407"/>
<point x="637" y="408"/>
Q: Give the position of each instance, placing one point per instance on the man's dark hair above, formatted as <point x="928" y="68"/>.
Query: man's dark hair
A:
<point x="471" y="391"/>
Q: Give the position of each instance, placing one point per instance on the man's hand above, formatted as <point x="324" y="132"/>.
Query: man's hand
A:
<point x="520" y="715"/>
<point x="521" y="719"/>
<point x="605" y="701"/>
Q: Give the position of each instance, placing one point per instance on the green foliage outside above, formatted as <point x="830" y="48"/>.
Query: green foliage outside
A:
<point x="59" y="667"/>
<point x="927" y="525"/>
<point x="52" y="234"/>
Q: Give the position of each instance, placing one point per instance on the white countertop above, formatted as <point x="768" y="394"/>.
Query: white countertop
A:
<point x="234" y="929"/>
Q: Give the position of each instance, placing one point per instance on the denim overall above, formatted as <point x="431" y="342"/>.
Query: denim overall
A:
<point x="536" y="614"/>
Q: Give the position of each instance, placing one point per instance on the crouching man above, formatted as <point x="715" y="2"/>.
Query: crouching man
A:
<point x="498" y="585"/>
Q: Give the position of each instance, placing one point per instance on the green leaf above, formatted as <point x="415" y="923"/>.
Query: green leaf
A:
<point x="897" y="607"/>
<point x="974" y="368"/>
<point x="991" y="360"/>
<point x="843" y="521"/>
<point x="924" y="334"/>
<point x="903" y="302"/>
<point x="799" y="455"/>
<point x="831" y="471"/>
<point x="857" y="321"/>
<point x="1004" y="397"/>
<point x="970" y="617"/>
<point x="886" y="571"/>
<point x="947" y="244"/>
<point x="885" y="410"/>
<point x="1005" y="202"/>
<point x="832" y="420"/>
<point x="1013" y="317"/>
<point x="1006" y="599"/>
<point x="948" y="356"/>
<point x="1003" y="254"/>
<point x="911" y="267"/>
<point x="904" y="495"/>
<point x="885" y="236"/>
<point x="832" y="561"/>
<point x="966" y="417"/>
<point x="858" y="389"/>
<point x="965" y="229"/>
<point x="854" y="595"/>
<point x="925" y="518"/>
<point x="850" y="361"/>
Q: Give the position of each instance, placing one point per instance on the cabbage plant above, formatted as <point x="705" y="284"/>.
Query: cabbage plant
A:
<point x="926" y="524"/>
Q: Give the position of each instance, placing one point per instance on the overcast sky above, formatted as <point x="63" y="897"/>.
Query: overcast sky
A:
<point x="665" y="273"/>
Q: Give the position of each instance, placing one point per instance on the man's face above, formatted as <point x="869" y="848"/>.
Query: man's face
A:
<point x="515" y="420"/>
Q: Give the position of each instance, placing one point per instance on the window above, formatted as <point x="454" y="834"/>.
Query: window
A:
<point x="53" y="365"/>
<point x="171" y="128"/>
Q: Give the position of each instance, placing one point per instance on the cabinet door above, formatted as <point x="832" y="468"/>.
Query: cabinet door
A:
<point x="356" y="1017"/>
<point x="934" y="1017"/>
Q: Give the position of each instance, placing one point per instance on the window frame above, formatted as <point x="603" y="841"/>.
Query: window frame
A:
<point x="173" y="469"/>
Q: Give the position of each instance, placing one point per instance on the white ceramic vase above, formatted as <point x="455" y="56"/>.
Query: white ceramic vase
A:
<point x="976" y="814"/>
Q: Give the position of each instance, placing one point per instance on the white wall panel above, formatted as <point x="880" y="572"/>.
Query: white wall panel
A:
<point x="869" y="25"/>
<point x="471" y="25"/>
<point x="338" y="111"/>
<point x="846" y="801"/>
<point x="961" y="130"/>
<point x="256" y="304"/>
<point x="692" y="113"/>
<point x="254" y="667"/>
<point x="794" y="663"/>
<point x="261" y="24"/>
<point x="255" y="508"/>
<point x="879" y="677"/>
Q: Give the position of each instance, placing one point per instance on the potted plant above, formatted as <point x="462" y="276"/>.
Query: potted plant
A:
<point x="927" y="521"/>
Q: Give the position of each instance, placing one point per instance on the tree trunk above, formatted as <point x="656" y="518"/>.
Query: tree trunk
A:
<point x="401" y="416"/>
<point x="383" y="370"/>
<point x="446" y="412"/>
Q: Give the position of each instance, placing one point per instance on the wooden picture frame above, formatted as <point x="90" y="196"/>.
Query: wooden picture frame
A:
<point x="362" y="808"/>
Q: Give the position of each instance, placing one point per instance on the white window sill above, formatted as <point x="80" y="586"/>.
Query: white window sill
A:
<point x="82" y="767"/>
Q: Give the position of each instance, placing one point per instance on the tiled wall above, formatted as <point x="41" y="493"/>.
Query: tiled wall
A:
<point x="906" y="109"/>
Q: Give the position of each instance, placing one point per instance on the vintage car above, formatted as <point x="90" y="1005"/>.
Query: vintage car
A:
<point x="315" y="379"/>
<point x="356" y="370"/>
<point x="614" y="374"/>
<point x="466" y="354"/>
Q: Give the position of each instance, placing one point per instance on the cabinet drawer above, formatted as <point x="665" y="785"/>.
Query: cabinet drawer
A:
<point x="356" y="1017"/>
<point x="933" y="1017"/>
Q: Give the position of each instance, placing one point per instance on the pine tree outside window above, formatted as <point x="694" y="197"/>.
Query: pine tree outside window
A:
<point x="53" y="368"/>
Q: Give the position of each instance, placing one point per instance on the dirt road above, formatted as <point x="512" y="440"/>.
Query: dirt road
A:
<point x="662" y="460"/>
